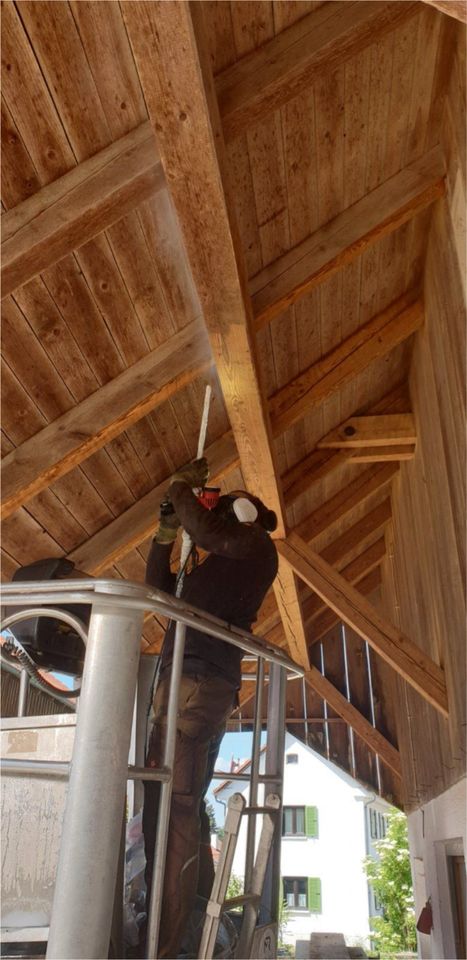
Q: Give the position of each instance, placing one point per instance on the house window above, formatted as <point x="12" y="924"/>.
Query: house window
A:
<point x="302" y="893"/>
<point x="291" y="758"/>
<point x="378" y="825"/>
<point x="300" y="822"/>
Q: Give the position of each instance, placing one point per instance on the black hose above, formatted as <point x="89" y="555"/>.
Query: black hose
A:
<point x="15" y="653"/>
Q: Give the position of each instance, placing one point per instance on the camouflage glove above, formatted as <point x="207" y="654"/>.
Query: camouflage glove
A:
<point x="195" y="474"/>
<point x="168" y="523"/>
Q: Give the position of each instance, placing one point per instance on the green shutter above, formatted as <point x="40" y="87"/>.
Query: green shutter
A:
<point x="314" y="894"/>
<point x="311" y="821"/>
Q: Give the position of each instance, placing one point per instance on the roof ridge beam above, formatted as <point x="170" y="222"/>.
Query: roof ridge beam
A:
<point x="68" y="212"/>
<point x="413" y="665"/>
<point x="78" y="433"/>
<point x="369" y="342"/>
<point x="288" y="64"/>
<point x="183" y="108"/>
<point x="344" y="238"/>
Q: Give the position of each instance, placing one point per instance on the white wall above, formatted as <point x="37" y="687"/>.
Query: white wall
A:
<point x="437" y="830"/>
<point x="335" y="856"/>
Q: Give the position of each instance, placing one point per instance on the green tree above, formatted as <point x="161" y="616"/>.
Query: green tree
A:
<point x="212" y="817"/>
<point x="391" y="879"/>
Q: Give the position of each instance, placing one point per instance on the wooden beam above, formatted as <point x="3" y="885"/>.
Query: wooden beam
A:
<point x="326" y="618"/>
<point x="369" y="734"/>
<point x="372" y="479"/>
<point x="405" y="657"/>
<point x="81" y="431"/>
<point x="344" y="549"/>
<point x="289" y="63"/>
<point x="383" y="454"/>
<point x="453" y="8"/>
<point x="78" y="206"/>
<point x="319" y="463"/>
<point x="380" y="431"/>
<point x="141" y="520"/>
<point x="183" y="108"/>
<point x="372" y="340"/>
<point x="345" y="237"/>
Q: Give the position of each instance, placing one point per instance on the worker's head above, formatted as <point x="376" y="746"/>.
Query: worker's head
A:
<point x="246" y="508"/>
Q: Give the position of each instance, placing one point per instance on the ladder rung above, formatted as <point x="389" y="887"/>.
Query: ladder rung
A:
<point x="239" y="901"/>
<point x="255" y="810"/>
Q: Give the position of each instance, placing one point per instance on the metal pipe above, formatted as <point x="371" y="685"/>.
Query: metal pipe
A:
<point x="49" y="612"/>
<point x="274" y="765"/>
<point x="23" y="692"/>
<point x="160" y="846"/>
<point x="83" y="899"/>
<point x="254" y="767"/>
<point x="139" y="598"/>
<point x="61" y="768"/>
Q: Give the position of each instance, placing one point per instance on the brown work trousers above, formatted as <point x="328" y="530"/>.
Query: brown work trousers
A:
<point x="205" y="705"/>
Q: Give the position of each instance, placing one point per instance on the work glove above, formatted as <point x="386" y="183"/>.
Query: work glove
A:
<point x="168" y="523"/>
<point x="195" y="474"/>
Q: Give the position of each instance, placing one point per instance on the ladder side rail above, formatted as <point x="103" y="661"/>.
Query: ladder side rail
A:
<point x="216" y="901"/>
<point x="251" y="909"/>
<point x="274" y="765"/>
<point x="160" y="846"/>
<point x="254" y="775"/>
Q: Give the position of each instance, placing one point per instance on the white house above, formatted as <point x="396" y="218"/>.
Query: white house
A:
<point x="329" y="824"/>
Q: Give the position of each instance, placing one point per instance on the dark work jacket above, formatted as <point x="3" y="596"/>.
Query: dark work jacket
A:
<point x="230" y="583"/>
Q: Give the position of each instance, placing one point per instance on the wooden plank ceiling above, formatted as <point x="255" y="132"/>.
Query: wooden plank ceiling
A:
<point x="239" y="194"/>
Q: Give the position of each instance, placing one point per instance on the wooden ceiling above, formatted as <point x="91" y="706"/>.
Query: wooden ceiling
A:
<point x="240" y="194"/>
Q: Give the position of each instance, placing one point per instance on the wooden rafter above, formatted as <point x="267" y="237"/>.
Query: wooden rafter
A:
<point x="343" y="239"/>
<point x="78" y="206"/>
<point x="341" y="503"/>
<point x="372" y="340"/>
<point x="344" y="549"/>
<point x="88" y="426"/>
<point x="139" y="521"/>
<point x="405" y="657"/>
<point x="183" y="107"/>
<point x="285" y="66"/>
<point x="382" y="431"/>
<point x="369" y="734"/>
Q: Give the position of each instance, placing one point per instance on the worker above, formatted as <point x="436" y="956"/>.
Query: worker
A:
<point x="231" y="584"/>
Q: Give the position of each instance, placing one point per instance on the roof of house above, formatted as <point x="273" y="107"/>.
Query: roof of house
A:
<point x="240" y="195"/>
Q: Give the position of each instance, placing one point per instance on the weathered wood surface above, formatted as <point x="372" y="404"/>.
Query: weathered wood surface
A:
<point x="72" y="210"/>
<point x="269" y="77"/>
<point x="408" y="659"/>
<point x="99" y="418"/>
<point x="342" y="239"/>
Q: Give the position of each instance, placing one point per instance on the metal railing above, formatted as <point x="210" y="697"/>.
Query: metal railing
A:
<point x="83" y="899"/>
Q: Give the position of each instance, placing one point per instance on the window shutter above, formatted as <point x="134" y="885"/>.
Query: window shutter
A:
<point x="314" y="894"/>
<point x="311" y="821"/>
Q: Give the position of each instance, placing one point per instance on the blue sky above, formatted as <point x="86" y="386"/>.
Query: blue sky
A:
<point x="238" y="746"/>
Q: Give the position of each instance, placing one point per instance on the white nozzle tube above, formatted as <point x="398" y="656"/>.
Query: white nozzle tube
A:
<point x="187" y="542"/>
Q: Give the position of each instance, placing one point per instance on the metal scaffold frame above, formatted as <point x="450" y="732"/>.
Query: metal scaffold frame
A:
<point x="81" y="916"/>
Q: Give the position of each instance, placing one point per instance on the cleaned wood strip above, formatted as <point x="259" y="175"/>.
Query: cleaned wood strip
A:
<point x="85" y="201"/>
<point x="87" y="427"/>
<point x="405" y="657"/>
<point x="376" y="215"/>
<point x="141" y="520"/>
<point x="315" y="612"/>
<point x="285" y="66"/>
<point x="370" y="480"/>
<point x="370" y="735"/>
<point x="383" y="430"/>
<point x="383" y="454"/>
<point x="183" y="108"/>
<point x="372" y="340"/>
